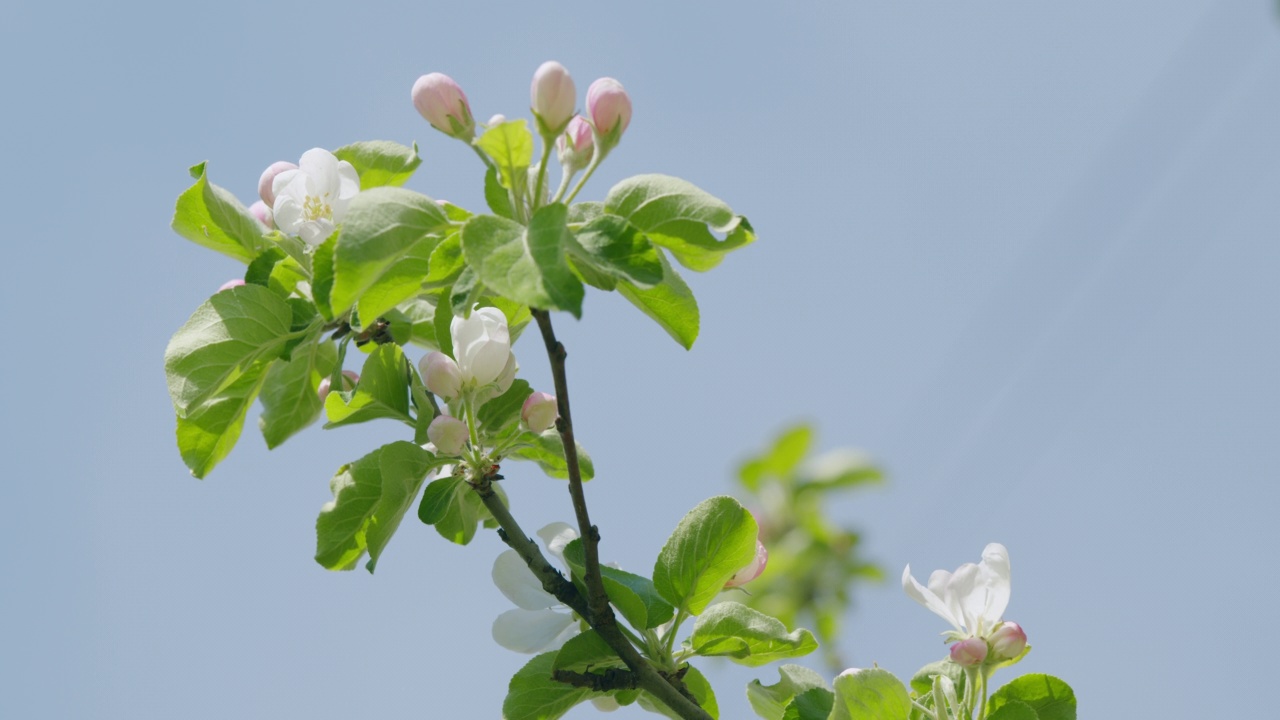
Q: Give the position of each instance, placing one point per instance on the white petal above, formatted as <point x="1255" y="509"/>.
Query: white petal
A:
<point x="926" y="597"/>
<point x="322" y="168"/>
<point x="995" y="558"/>
<point x="531" y="631"/>
<point x="288" y="213"/>
<point x="315" y="232"/>
<point x="281" y="181"/>
<point x="968" y="592"/>
<point x="514" y="578"/>
<point x="556" y="536"/>
<point x="348" y="180"/>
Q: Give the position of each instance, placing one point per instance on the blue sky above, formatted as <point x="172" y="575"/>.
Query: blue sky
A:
<point x="1024" y="254"/>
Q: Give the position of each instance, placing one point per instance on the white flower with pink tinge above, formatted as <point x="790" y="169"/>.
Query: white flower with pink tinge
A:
<point x="973" y="598"/>
<point x="311" y="200"/>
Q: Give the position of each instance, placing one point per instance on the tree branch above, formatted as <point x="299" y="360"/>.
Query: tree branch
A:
<point x="671" y="691"/>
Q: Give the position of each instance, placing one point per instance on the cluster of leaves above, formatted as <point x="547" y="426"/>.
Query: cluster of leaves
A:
<point x="813" y="563"/>
<point x="875" y="694"/>
<point x="711" y="543"/>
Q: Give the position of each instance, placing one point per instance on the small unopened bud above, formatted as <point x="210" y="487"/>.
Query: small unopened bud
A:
<point x="551" y="98"/>
<point x="268" y="176"/>
<point x="263" y="213"/>
<point x="443" y="104"/>
<point x="610" y="109"/>
<point x="441" y="375"/>
<point x="753" y="569"/>
<point x="230" y="284"/>
<point x="539" y="412"/>
<point x="575" y="145"/>
<point x="1007" y="642"/>
<point x="448" y="434"/>
<point x="349" y="380"/>
<point x="969" y="652"/>
<point x="497" y="119"/>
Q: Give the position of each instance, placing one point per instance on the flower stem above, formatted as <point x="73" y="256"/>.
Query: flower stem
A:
<point x="596" y="158"/>
<point x="667" y="688"/>
<point x="542" y="173"/>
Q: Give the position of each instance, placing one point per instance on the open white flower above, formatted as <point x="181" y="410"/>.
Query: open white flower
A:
<point x="540" y="622"/>
<point x="972" y="599"/>
<point x="311" y="200"/>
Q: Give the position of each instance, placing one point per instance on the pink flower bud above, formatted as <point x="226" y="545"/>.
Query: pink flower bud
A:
<point x="441" y="101"/>
<point x="551" y="97"/>
<point x="230" y="284"/>
<point x="448" y="434"/>
<point x="753" y="569"/>
<point x="575" y="144"/>
<point x="969" y="652"/>
<point x="263" y="213"/>
<point x="349" y="380"/>
<point x="610" y="109"/>
<point x="441" y="375"/>
<point x="539" y="412"/>
<point x="1008" y="642"/>
<point x="268" y="176"/>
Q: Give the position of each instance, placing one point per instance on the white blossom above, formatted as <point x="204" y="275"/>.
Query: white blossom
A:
<point x="311" y="200"/>
<point x="973" y="598"/>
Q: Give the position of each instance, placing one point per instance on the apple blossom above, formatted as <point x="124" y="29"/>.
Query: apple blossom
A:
<point x="482" y="347"/>
<point x="610" y="109"/>
<point x="311" y="200"/>
<point x="540" y="622"/>
<point x="441" y="375"/>
<point x="230" y="284"/>
<point x="349" y="380"/>
<point x="972" y="599"/>
<point x="969" y="652"/>
<point x="260" y="210"/>
<point x="551" y="98"/>
<point x="575" y="145"/>
<point x="442" y="103"/>
<point x="268" y="177"/>
<point x="1008" y="641"/>
<point x="753" y="568"/>
<point x="539" y="412"/>
<point x="448" y="434"/>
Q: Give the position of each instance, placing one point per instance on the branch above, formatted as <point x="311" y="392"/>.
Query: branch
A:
<point x="510" y="532"/>
<point x="671" y="691"/>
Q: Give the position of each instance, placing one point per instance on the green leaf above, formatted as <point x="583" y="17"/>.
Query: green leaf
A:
<point x="698" y="686"/>
<point x="769" y="701"/>
<point x="510" y="144"/>
<point x="444" y="321"/>
<point x="812" y="704"/>
<point x="465" y="293"/>
<point x="681" y="217"/>
<point x="585" y="212"/>
<point x="322" y="275"/>
<point x="585" y="652"/>
<point x="259" y="271"/>
<point x="383" y="391"/>
<point x="670" y="303"/>
<point x="453" y="508"/>
<point x="503" y="412"/>
<point x="446" y="261"/>
<point x="533" y="695"/>
<point x="1049" y="697"/>
<point x="844" y="468"/>
<point x="747" y="637"/>
<point x="634" y="596"/>
<point x="547" y="450"/>
<point x="234" y="330"/>
<point x="781" y="460"/>
<point x="289" y="393"/>
<point x="384" y="249"/>
<point x="420" y="314"/>
<point x="1014" y="710"/>
<point x="210" y="216"/>
<point x="873" y="694"/>
<point x="712" y="542"/>
<point x="370" y="496"/>
<point x="207" y="433"/>
<point x="496" y="196"/>
<point x="612" y="246"/>
<point x="525" y="265"/>
<point x="381" y="162"/>
<point x="922" y="681"/>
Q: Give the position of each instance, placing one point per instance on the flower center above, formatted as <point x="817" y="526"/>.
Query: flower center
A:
<point x="316" y="208"/>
